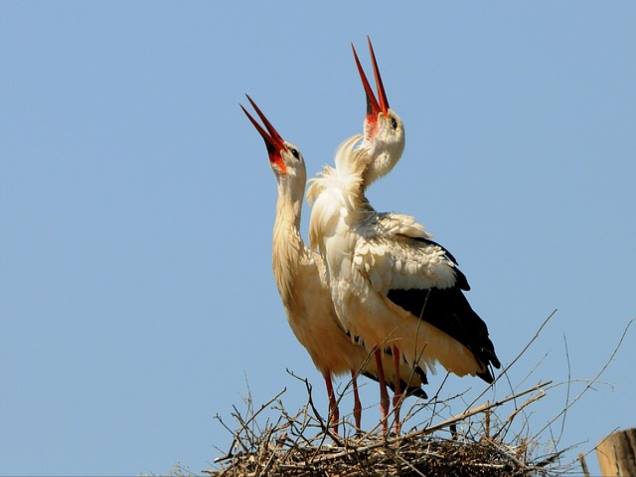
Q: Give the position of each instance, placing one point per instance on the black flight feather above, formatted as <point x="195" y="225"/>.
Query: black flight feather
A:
<point x="449" y="311"/>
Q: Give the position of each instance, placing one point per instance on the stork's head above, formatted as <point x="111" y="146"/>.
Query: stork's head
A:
<point x="383" y="128"/>
<point x="284" y="158"/>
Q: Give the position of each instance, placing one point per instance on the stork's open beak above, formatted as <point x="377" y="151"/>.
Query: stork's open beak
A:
<point x="374" y="106"/>
<point x="273" y="141"/>
<point x="384" y="101"/>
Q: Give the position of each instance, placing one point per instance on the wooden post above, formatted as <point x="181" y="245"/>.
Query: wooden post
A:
<point x="616" y="454"/>
<point x="586" y="471"/>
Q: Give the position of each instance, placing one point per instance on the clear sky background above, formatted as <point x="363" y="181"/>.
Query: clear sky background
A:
<point x="136" y="204"/>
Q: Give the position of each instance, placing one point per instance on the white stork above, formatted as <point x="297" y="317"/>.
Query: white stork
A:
<point x="391" y="285"/>
<point x="300" y="277"/>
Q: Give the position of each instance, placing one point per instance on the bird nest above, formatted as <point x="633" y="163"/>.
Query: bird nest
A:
<point x="487" y="439"/>
<point x="472" y="443"/>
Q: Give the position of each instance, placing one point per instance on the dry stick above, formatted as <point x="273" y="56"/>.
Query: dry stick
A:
<point x="512" y="390"/>
<point x="265" y="445"/>
<point x="487" y="423"/>
<point x="325" y="429"/>
<point x="251" y="435"/>
<point x="436" y="396"/>
<point x="236" y="439"/>
<point x="300" y="433"/>
<point x="524" y="432"/>
<point x="567" y="394"/>
<point x="416" y="408"/>
<point x="485" y="465"/>
<point x="534" y="368"/>
<point x="408" y="464"/>
<point x="511" y="457"/>
<point x="521" y="353"/>
<point x="248" y="400"/>
<point x="436" y="427"/>
<point x="555" y="455"/>
<point x="264" y="470"/>
<point x="476" y="410"/>
<point x="263" y="406"/>
<point x="445" y="402"/>
<point x="514" y="414"/>
<point x="580" y="381"/>
<point x="598" y="375"/>
<point x="552" y="438"/>
<point x="518" y="435"/>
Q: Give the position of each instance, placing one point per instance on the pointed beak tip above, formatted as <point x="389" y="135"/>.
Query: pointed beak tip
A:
<point x="373" y="106"/>
<point x="273" y="140"/>
<point x="383" y="100"/>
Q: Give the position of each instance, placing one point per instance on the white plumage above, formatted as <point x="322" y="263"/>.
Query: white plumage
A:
<point x="369" y="255"/>
<point x="300" y="276"/>
<point x="390" y="284"/>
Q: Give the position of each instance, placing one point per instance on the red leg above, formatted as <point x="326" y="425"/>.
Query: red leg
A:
<point x="397" y="395"/>
<point x="357" y="406"/>
<point x="334" y="415"/>
<point x="384" y="397"/>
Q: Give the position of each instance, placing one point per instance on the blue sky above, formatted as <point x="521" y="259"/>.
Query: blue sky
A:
<point x="136" y="203"/>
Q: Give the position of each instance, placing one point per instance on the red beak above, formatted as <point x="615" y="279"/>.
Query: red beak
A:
<point x="273" y="141"/>
<point x="384" y="102"/>
<point x="374" y="107"/>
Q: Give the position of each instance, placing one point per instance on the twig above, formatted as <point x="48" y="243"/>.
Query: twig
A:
<point x="436" y="396"/>
<point x="431" y="429"/>
<point x="598" y="375"/>
<point x="519" y="355"/>
<point x="480" y="409"/>
<point x="325" y="428"/>
<point x="534" y="368"/>
<point x="408" y="464"/>
<point x="510" y="418"/>
<point x="235" y="439"/>
<point x="567" y="393"/>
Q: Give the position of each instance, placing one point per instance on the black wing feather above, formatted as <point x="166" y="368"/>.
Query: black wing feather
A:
<point x="448" y="310"/>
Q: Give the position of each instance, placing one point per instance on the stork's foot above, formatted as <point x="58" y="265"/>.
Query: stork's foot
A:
<point x="357" y="405"/>
<point x="397" y="395"/>
<point x="397" y="404"/>
<point x="384" y="396"/>
<point x="334" y="414"/>
<point x="334" y="417"/>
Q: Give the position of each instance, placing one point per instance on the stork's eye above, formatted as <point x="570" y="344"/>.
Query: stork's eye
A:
<point x="295" y="153"/>
<point x="393" y="123"/>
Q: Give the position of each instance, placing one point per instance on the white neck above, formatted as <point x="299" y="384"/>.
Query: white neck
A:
<point x="288" y="247"/>
<point x="385" y="156"/>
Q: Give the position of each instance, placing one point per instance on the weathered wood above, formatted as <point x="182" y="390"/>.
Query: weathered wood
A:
<point x="616" y="454"/>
